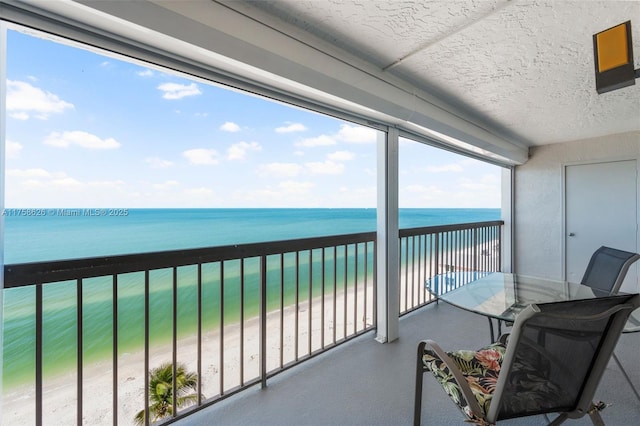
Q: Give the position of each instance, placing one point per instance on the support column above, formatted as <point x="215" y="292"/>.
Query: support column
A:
<point x="388" y="241"/>
<point x="3" y="126"/>
<point x="507" y="214"/>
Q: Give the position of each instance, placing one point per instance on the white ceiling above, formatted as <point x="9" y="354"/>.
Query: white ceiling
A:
<point x="524" y="67"/>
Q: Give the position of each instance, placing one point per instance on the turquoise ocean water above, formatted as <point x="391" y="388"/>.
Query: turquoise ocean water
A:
<point x="56" y="237"/>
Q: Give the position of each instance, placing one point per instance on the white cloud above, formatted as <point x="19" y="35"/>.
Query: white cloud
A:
<point x="347" y="133"/>
<point x="356" y="134"/>
<point x="230" y="126"/>
<point x="291" y="127"/>
<point x="421" y="195"/>
<point x="199" y="192"/>
<point x="145" y="73"/>
<point x="325" y="168"/>
<point x="341" y="156"/>
<point x="33" y="173"/>
<point x="295" y="187"/>
<point x="158" y="163"/>
<point x="13" y="149"/>
<point x="456" y="168"/>
<point x="485" y="183"/>
<point x="20" y="116"/>
<point x="63" y="183"/>
<point x="237" y="151"/>
<point x="24" y="99"/>
<point x="166" y="185"/>
<point x="178" y="91"/>
<point x="280" y="169"/>
<point x="80" y="138"/>
<point x="322" y="140"/>
<point x="422" y="189"/>
<point x="41" y="178"/>
<point x="202" y="156"/>
<point x="104" y="184"/>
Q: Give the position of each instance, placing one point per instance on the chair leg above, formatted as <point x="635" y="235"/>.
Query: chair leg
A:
<point x="491" y="330"/>
<point x="596" y="419"/>
<point x="558" y="420"/>
<point x="417" y="404"/>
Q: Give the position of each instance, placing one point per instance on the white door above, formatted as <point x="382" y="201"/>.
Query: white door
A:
<point x="600" y="210"/>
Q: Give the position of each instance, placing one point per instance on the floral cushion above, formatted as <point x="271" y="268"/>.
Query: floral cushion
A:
<point x="480" y="368"/>
<point x="530" y="389"/>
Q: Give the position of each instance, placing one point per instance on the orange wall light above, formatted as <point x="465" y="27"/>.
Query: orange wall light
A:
<point x="613" y="54"/>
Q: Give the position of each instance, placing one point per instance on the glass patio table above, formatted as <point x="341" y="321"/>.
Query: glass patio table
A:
<point x="501" y="296"/>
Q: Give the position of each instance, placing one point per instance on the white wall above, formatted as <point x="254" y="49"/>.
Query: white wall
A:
<point x="539" y="198"/>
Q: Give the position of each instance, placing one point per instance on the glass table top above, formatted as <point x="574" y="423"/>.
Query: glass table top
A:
<point x="502" y="295"/>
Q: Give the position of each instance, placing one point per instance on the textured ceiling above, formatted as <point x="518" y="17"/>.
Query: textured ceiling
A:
<point x="524" y="67"/>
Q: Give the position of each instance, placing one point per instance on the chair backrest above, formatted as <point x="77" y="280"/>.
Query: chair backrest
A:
<point x="607" y="268"/>
<point x="556" y="355"/>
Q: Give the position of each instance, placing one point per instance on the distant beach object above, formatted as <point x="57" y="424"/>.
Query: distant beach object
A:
<point x="161" y="391"/>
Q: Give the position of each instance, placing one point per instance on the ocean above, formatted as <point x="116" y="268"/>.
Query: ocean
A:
<point x="59" y="234"/>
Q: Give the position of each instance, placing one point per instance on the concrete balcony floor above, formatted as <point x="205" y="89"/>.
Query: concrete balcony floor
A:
<point x="367" y="383"/>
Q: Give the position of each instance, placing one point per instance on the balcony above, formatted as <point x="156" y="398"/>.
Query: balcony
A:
<point x="298" y="380"/>
<point x="365" y="383"/>
<point x="237" y="316"/>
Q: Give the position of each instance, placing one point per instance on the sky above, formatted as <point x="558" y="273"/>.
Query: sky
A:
<point x="90" y="130"/>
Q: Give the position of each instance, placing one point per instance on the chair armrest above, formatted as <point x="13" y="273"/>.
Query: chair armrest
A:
<point x="457" y="375"/>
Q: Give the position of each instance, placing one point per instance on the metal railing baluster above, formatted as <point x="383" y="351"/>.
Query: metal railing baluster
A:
<point x="344" y="293"/>
<point x="114" y="336"/>
<point x="335" y="291"/>
<point x="199" y="332"/>
<point x="281" y="310"/>
<point x="39" y="338"/>
<point x="322" y="301"/>
<point x="355" y="290"/>
<point x="242" y="321"/>
<point x="310" y="304"/>
<point x="263" y="321"/>
<point x="297" y="325"/>
<point x="79" y="348"/>
<point x="221" y="326"/>
<point x="174" y="342"/>
<point x="147" y="421"/>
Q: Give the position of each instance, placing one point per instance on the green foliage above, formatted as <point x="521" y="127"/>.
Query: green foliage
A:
<point x="161" y="391"/>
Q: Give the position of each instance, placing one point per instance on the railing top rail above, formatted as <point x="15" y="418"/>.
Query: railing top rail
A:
<point x="17" y="275"/>
<point x="408" y="232"/>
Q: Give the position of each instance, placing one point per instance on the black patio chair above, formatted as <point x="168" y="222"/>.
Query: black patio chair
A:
<point x="552" y="363"/>
<point x="607" y="269"/>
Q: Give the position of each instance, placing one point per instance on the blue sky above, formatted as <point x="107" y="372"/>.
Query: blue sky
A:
<point x="88" y="130"/>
